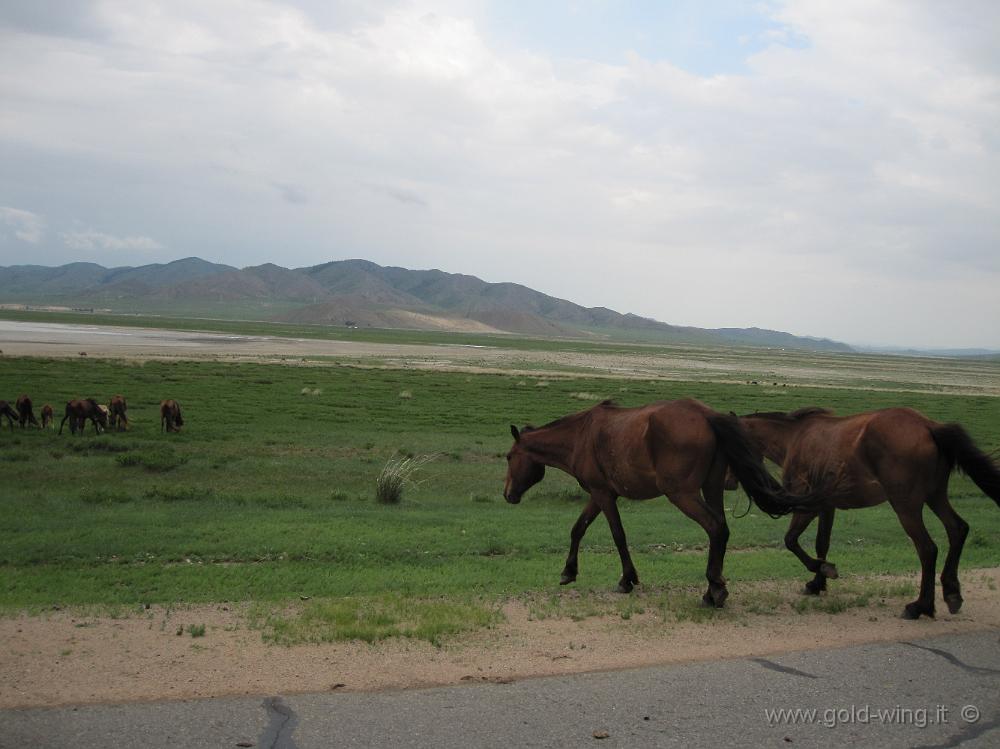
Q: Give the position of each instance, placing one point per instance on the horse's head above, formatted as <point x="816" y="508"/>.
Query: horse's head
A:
<point x="100" y="412"/>
<point x="523" y="472"/>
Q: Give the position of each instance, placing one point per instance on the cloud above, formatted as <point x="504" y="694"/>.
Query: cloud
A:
<point x="53" y="17"/>
<point x="95" y="240"/>
<point x="290" y="193"/>
<point x="27" y="226"/>
<point x="400" y="195"/>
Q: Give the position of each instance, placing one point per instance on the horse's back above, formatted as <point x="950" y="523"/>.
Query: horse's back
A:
<point x="643" y="450"/>
<point x="877" y="454"/>
<point x="678" y="422"/>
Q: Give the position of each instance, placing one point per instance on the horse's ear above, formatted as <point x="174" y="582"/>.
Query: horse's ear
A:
<point x="515" y="433"/>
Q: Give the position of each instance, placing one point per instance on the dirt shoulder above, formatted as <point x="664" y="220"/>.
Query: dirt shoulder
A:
<point x="72" y="658"/>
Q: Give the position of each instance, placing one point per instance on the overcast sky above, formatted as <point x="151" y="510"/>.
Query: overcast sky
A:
<point x="825" y="167"/>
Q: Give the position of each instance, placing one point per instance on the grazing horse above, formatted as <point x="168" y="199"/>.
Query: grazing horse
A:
<point x="170" y="416"/>
<point x="107" y="414"/>
<point x="48" y="416"/>
<point x="81" y="409"/>
<point x="678" y="448"/>
<point x="24" y="412"/>
<point x="119" y="415"/>
<point x="10" y="413"/>
<point x="893" y="455"/>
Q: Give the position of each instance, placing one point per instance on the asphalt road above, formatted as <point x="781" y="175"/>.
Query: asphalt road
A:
<point x="940" y="692"/>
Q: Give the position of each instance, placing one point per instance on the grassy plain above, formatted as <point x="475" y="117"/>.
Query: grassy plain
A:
<point x="268" y="493"/>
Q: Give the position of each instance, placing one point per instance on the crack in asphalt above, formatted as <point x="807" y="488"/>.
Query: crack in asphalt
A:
<point x="278" y="734"/>
<point x="782" y="669"/>
<point x="978" y="670"/>
<point x="971" y="731"/>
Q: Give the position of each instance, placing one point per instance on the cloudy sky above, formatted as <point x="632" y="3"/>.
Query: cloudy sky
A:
<point x="825" y="167"/>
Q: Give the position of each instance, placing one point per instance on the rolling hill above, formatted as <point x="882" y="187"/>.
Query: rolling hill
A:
<point x="355" y="293"/>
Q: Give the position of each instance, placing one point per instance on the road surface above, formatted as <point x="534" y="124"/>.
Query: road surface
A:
<point x="939" y="692"/>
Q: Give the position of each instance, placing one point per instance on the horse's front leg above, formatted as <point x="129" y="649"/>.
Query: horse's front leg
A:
<point x="609" y="505"/>
<point x="591" y="511"/>
<point x="827" y="570"/>
<point x="822" y="570"/>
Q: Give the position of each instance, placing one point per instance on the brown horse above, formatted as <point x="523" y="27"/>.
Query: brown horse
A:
<point x="81" y="409"/>
<point x="677" y="448"/>
<point x="25" y="414"/>
<point x="170" y="416"/>
<point x="119" y="413"/>
<point x="10" y="413"/>
<point x="48" y="416"/>
<point x="894" y="455"/>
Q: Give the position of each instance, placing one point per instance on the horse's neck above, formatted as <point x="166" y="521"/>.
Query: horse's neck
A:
<point x="773" y="437"/>
<point x="553" y="446"/>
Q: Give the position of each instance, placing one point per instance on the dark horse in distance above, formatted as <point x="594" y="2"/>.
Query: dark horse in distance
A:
<point x="170" y="416"/>
<point x="81" y="409"/>
<point x="10" y="413"/>
<point x="25" y="413"/>
<point x="894" y="455"/>
<point x="118" y="410"/>
<point x="677" y="448"/>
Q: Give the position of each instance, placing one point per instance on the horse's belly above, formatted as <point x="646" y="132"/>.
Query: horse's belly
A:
<point x="636" y="486"/>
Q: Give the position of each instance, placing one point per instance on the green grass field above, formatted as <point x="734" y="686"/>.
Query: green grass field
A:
<point x="268" y="493"/>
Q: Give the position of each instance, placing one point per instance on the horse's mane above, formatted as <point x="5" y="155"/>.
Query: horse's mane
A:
<point x="789" y="416"/>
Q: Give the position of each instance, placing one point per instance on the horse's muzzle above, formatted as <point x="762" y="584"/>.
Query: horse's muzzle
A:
<point x="512" y="498"/>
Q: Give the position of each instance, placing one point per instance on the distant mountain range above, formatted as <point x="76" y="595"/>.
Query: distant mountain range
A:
<point x="355" y="293"/>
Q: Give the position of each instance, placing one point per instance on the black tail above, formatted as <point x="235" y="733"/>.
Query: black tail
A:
<point x="958" y="448"/>
<point x="747" y="465"/>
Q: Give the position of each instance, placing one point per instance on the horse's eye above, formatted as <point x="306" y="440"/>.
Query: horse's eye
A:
<point x="508" y="458"/>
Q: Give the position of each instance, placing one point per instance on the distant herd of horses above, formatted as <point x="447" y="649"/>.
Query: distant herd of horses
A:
<point x="687" y="451"/>
<point x="81" y="410"/>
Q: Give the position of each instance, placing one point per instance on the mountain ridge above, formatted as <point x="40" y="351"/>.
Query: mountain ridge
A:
<point x="358" y="293"/>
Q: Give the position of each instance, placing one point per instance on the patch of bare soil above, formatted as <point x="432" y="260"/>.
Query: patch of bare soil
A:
<point x="74" y="658"/>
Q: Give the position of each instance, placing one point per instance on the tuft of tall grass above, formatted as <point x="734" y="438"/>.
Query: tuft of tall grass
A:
<point x="395" y="475"/>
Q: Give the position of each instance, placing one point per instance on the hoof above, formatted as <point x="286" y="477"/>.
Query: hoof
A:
<point x="714" y="599"/>
<point x="624" y="587"/>
<point x="719" y="597"/>
<point x="914" y="610"/>
<point x="567" y="579"/>
<point x="954" y="602"/>
<point x="828" y="570"/>
<point x="812" y="588"/>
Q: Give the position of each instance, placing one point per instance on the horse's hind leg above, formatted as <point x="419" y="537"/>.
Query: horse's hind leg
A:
<point x="591" y="511"/>
<point x="957" y="530"/>
<point x="715" y="526"/>
<point x="912" y="521"/>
